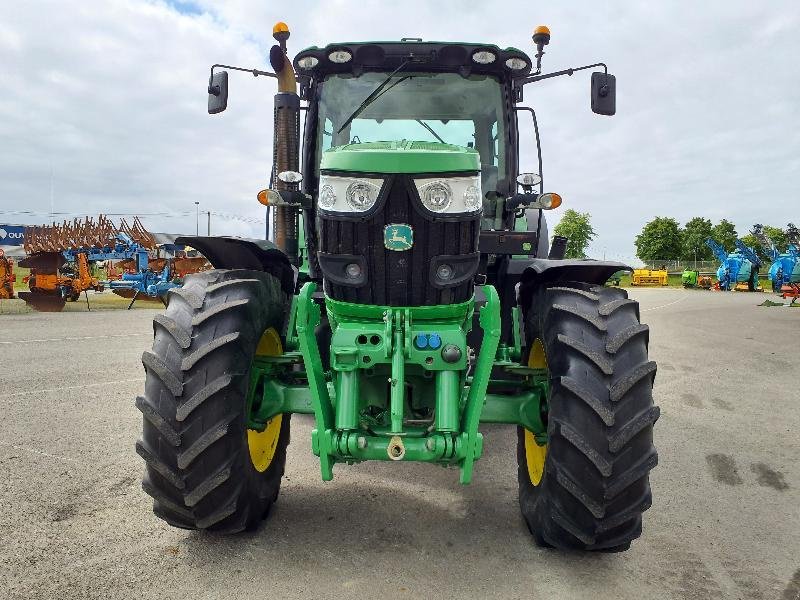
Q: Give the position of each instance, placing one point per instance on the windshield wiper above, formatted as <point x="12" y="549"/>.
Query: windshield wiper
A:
<point x="374" y="95"/>
<point x="430" y="129"/>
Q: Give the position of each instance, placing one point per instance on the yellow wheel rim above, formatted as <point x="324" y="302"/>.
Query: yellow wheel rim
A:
<point x="534" y="453"/>
<point x="262" y="444"/>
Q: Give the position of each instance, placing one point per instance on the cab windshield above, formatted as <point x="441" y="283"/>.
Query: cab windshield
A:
<point x="432" y="107"/>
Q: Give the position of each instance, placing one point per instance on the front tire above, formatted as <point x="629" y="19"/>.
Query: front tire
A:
<point x="588" y="487"/>
<point x="202" y="470"/>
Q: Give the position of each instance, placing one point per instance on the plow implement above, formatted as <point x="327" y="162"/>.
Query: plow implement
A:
<point x="62" y="259"/>
<point x="45" y="282"/>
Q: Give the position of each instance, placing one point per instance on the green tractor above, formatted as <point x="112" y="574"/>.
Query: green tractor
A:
<point x="408" y="295"/>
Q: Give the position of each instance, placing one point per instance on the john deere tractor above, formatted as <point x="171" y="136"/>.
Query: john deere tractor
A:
<point x="407" y="296"/>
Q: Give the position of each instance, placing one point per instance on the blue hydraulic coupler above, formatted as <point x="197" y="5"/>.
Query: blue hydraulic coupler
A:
<point x="421" y="341"/>
<point x="434" y="341"/>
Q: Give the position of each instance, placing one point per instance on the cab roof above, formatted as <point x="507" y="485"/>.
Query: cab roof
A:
<point x="432" y="56"/>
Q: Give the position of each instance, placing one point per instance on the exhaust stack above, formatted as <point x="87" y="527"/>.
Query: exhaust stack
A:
<point x="286" y="143"/>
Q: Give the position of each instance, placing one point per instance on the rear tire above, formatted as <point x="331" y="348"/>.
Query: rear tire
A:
<point x="194" y="440"/>
<point x="594" y="485"/>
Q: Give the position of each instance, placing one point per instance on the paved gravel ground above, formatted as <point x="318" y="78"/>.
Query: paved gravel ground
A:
<point x="725" y="522"/>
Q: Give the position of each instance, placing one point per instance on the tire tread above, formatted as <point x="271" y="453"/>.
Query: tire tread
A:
<point x="595" y="485"/>
<point x="198" y="469"/>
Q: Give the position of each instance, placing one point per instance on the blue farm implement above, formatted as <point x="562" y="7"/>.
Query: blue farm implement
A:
<point x="141" y="273"/>
<point x="755" y="262"/>
<point x="784" y="272"/>
<point x="735" y="268"/>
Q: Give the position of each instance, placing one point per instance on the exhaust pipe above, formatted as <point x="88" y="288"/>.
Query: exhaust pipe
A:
<point x="285" y="144"/>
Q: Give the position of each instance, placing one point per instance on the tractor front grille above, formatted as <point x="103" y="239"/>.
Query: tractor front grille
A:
<point x="399" y="278"/>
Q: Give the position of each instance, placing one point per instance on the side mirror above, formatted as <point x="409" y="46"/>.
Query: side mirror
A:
<point x="218" y="93"/>
<point x="604" y="94"/>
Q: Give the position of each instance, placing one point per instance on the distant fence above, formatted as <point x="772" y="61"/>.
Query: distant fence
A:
<point x="674" y="266"/>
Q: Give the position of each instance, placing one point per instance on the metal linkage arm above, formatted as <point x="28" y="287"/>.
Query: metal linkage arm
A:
<point x="748" y="253"/>
<point x="718" y="250"/>
<point x="569" y="72"/>
<point x="254" y="72"/>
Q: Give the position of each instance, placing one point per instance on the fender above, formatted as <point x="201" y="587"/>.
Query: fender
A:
<point x="224" y="252"/>
<point x="542" y="271"/>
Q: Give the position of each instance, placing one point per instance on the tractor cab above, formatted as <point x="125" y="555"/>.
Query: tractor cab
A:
<point x="435" y="118"/>
<point x="423" y="135"/>
<point x="453" y="95"/>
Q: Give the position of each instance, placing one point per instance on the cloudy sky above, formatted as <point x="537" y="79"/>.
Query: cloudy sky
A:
<point x="103" y="106"/>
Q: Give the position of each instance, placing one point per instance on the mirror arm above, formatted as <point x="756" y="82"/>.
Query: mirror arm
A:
<point x="569" y="72"/>
<point x="214" y="90"/>
<point x="255" y="72"/>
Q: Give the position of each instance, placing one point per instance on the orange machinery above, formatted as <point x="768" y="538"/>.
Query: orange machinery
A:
<point x="7" y="277"/>
<point x="51" y="285"/>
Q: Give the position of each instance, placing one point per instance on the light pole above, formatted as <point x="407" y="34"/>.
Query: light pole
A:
<point x="197" y="225"/>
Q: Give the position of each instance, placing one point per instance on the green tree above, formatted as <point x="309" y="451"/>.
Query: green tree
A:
<point x="577" y="228"/>
<point x="660" y="240"/>
<point x="724" y="233"/>
<point x="695" y="234"/>
<point x="778" y="237"/>
<point x="752" y="241"/>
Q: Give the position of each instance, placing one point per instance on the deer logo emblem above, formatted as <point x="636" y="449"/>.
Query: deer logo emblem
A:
<point x="398" y="237"/>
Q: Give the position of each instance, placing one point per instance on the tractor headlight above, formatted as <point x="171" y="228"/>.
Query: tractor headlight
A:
<point x="361" y="195"/>
<point x="436" y="196"/>
<point x="307" y="62"/>
<point x="340" y="56"/>
<point x="484" y="57"/>
<point x="327" y="196"/>
<point x="516" y="63"/>
<point x="472" y="198"/>
<point x="348" y="194"/>
<point x="454" y="195"/>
